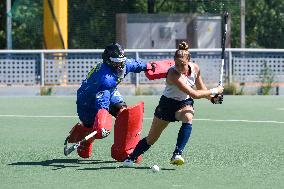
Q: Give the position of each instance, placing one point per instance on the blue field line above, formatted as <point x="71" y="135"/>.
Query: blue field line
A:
<point x="147" y="118"/>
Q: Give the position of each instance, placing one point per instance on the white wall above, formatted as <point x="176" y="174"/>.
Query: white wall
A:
<point x="149" y="35"/>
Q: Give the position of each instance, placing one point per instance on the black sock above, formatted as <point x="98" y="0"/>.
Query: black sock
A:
<point x="140" y="148"/>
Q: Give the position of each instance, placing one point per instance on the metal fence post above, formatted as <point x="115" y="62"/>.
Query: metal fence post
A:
<point x="137" y="74"/>
<point x="42" y="69"/>
<point x="230" y="72"/>
<point x="9" y="25"/>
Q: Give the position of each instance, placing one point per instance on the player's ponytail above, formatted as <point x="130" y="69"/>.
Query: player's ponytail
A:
<point x="183" y="46"/>
<point x="182" y="51"/>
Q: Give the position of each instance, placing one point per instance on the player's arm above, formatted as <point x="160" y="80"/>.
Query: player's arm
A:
<point x="199" y="81"/>
<point x="215" y="99"/>
<point x="136" y="66"/>
<point x="107" y="83"/>
<point x="158" y="69"/>
<point x="175" y="78"/>
<point x="102" y="99"/>
<point x="153" y="69"/>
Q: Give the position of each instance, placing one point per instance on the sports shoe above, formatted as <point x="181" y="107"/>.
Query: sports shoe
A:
<point x="177" y="160"/>
<point x="128" y="163"/>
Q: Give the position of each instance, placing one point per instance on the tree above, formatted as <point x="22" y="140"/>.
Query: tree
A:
<point x="2" y="25"/>
<point x="92" y="23"/>
<point x="265" y="24"/>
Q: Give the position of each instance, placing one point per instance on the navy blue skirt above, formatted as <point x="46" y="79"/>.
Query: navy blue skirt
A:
<point x="168" y="107"/>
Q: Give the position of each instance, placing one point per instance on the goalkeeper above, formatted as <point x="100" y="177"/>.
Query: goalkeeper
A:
<point x="98" y="97"/>
<point x="176" y="104"/>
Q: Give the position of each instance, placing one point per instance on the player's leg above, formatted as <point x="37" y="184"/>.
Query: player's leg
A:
<point x="119" y="110"/>
<point x="92" y="115"/>
<point x="80" y="130"/>
<point x="77" y="133"/>
<point x="163" y="116"/>
<point x="185" y="115"/>
<point x="117" y="103"/>
<point x="127" y="130"/>
<point x="143" y="145"/>
<point x="87" y="117"/>
<point x="102" y="124"/>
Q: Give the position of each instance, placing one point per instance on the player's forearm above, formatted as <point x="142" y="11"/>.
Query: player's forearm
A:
<point x="200" y="94"/>
<point x="136" y="66"/>
<point x="197" y="94"/>
<point x="203" y="87"/>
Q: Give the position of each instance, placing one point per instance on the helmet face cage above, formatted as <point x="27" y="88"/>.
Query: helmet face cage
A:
<point x="113" y="55"/>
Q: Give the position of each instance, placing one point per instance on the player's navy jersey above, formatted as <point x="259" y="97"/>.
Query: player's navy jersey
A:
<point x="100" y="85"/>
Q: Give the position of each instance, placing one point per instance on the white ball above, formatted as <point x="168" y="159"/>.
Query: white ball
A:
<point x="155" y="168"/>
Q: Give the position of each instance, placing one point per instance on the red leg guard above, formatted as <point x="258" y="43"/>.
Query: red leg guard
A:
<point x="102" y="124"/>
<point x="85" y="149"/>
<point x="127" y="130"/>
<point x="77" y="133"/>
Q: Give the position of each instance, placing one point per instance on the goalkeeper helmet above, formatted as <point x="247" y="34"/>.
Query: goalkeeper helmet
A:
<point x="113" y="55"/>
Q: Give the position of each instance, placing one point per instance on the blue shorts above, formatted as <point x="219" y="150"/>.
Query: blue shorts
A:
<point x="168" y="107"/>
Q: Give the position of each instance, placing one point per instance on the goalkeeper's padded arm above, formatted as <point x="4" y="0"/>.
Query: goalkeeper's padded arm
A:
<point x="158" y="69"/>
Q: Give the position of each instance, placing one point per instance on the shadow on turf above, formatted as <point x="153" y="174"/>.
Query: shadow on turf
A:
<point x="54" y="163"/>
<point x="121" y="167"/>
<point x="60" y="164"/>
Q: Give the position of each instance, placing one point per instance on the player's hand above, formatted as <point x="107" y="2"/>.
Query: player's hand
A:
<point x="220" y="89"/>
<point x="217" y="90"/>
<point x="217" y="99"/>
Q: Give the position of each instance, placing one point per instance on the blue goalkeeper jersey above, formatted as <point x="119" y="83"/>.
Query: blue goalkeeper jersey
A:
<point x="100" y="85"/>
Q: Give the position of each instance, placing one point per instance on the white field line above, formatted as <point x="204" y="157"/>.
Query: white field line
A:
<point x="38" y="116"/>
<point x="280" y="109"/>
<point x="148" y="118"/>
<point x="240" y="120"/>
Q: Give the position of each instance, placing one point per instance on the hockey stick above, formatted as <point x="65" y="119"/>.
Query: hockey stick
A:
<point x="68" y="150"/>
<point x="225" y="17"/>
